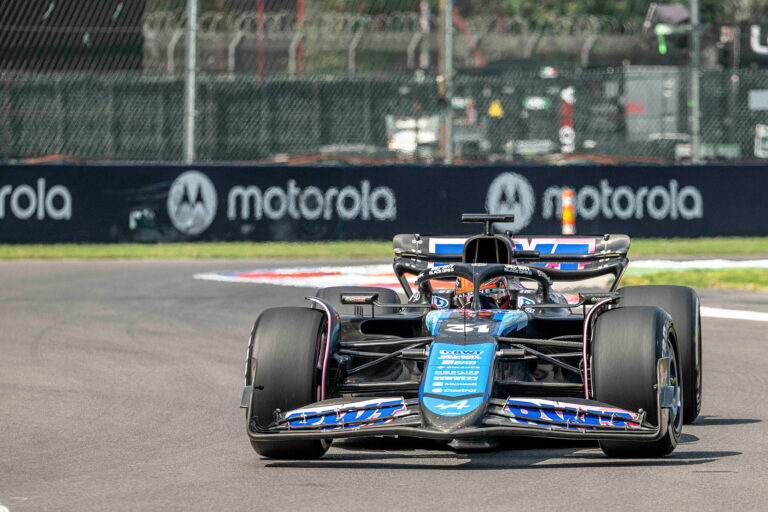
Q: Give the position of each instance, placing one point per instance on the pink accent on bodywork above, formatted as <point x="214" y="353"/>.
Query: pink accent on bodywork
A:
<point x="327" y="345"/>
<point x="584" y="347"/>
<point x="530" y="244"/>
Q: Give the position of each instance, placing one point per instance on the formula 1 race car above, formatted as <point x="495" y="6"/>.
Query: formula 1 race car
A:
<point x="483" y="348"/>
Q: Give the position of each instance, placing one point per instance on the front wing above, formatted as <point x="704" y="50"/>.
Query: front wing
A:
<point x="511" y="417"/>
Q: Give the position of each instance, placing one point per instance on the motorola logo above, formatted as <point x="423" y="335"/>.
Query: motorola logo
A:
<point x="192" y="202"/>
<point x="26" y="202"/>
<point x="510" y="193"/>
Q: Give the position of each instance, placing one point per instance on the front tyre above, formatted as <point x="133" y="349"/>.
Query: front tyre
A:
<point x="626" y="345"/>
<point x="682" y="304"/>
<point x="287" y="344"/>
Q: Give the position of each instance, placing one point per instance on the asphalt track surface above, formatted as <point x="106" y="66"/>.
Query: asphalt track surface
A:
<point x="120" y="384"/>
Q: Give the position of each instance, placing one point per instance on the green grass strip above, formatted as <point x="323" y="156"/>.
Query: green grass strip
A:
<point x="720" y="246"/>
<point x="735" y="279"/>
<point x="344" y="250"/>
<point x="233" y="250"/>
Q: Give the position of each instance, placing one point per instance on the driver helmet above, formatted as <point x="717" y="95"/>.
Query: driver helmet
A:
<point x="494" y="292"/>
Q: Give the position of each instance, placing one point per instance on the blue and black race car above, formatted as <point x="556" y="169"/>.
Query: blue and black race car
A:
<point x="483" y="348"/>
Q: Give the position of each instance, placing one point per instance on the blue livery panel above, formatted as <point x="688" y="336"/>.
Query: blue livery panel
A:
<point x="370" y="412"/>
<point x="497" y="322"/>
<point x="457" y="379"/>
<point x="564" y="415"/>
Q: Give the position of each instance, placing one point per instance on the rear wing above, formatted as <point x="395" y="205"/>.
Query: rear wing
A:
<point x="562" y="258"/>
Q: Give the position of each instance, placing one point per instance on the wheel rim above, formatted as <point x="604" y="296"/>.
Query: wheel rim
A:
<point x="673" y="379"/>
<point x="698" y="367"/>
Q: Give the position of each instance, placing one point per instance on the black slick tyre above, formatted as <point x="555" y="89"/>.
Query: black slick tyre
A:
<point x="682" y="304"/>
<point x="332" y="294"/>
<point x="626" y="345"/>
<point x="287" y="342"/>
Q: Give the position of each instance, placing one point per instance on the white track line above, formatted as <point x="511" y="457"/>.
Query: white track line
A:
<point x="733" y="314"/>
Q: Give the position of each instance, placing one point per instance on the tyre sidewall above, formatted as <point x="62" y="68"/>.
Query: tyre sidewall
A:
<point x="286" y="348"/>
<point x="682" y="304"/>
<point x="627" y="343"/>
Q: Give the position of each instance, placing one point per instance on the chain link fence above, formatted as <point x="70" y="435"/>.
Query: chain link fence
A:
<point x="281" y="80"/>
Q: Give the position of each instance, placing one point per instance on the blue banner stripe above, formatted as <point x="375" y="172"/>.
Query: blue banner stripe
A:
<point x="449" y="249"/>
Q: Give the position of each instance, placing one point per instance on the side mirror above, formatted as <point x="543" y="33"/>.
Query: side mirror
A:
<point x="356" y="299"/>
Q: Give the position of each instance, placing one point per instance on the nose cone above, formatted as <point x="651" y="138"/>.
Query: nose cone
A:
<point x="456" y="384"/>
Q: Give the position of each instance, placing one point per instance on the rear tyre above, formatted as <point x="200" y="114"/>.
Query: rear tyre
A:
<point x="333" y="296"/>
<point x="626" y="346"/>
<point x="286" y="348"/>
<point x="682" y="304"/>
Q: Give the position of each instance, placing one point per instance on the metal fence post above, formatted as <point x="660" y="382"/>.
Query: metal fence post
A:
<point x="695" y="70"/>
<point x="189" y="82"/>
<point x="352" y="52"/>
<point x="293" y="51"/>
<point x="424" y="30"/>
<point x="411" y="51"/>
<point x="232" y="47"/>
<point x="446" y="26"/>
